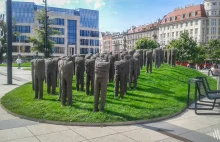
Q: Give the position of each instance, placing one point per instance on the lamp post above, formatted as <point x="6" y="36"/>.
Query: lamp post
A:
<point x="46" y="24"/>
<point x="9" y="41"/>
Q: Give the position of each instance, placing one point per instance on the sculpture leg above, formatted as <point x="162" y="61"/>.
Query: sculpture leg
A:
<point x="92" y="85"/>
<point x="104" y="86"/>
<point x="41" y="88"/>
<point x="69" y="91"/>
<point x="150" y="64"/>
<point x="82" y="80"/>
<point x="53" y="76"/>
<point x="130" y="80"/>
<point x="64" y="91"/>
<point x="48" y="83"/>
<point x="116" y="85"/>
<point x="36" y="87"/>
<point x="135" y="81"/>
<point x="77" y="81"/>
<point x="87" y="84"/>
<point x="122" y="86"/>
<point x="60" y="87"/>
<point x="96" y="95"/>
<point x="32" y="75"/>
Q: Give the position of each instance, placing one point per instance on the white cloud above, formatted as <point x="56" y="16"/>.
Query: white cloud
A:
<point x="95" y="4"/>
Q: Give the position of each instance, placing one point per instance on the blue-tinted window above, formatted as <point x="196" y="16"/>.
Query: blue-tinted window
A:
<point x="84" y="42"/>
<point x="21" y="39"/>
<point x="61" y="30"/>
<point x="57" y="40"/>
<point x="91" y="50"/>
<point x="89" y="18"/>
<point x="57" y="21"/>
<point x="72" y="32"/>
<point x="22" y="29"/>
<point x="94" y="42"/>
<point x="96" y="50"/>
<point x="58" y="50"/>
<point x="86" y="33"/>
<point x="84" y="51"/>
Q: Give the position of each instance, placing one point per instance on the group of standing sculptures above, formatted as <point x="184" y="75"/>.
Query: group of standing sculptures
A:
<point x="124" y="68"/>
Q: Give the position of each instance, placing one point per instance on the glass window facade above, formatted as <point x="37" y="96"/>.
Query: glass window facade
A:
<point x="22" y="29"/>
<point x="84" y="42"/>
<point x="94" y="42"/>
<point x="21" y="39"/>
<point x="57" y="21"/>
<point x="84" y="51"/>
<point x="58" y="50"/>
<point x="86" y="33"/>
<point x="23" y="12"/>
<point x="89" y="18"/>
<point x="57" y="40"/>
<point x="72" y="32"/>
<point x="61" y="30"/>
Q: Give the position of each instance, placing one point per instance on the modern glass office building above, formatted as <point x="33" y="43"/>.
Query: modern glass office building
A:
<point x="79" y="29"/>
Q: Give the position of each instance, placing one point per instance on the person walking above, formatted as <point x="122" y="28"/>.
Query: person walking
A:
<point x="19" y="62"/>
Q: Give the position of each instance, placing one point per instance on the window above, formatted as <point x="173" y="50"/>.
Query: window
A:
<point x="219" y="31"/>
<point x="57" y="21"/>
<point x="187" y="15"/>
<point x="22" y="29"/>
<point x="213" y="30"/>
<point x="172" y="34"/>
<point x="214" y="3"/>
<point x="191" y="31"/>
<point x="196" y="31"/>
<point x="193" y="14"/>
<point x="168" y="35"/>
<point x="186" y="24"/>
<point x="181" y="25"/>
<point x="15" y="49"/>
<point x="213" y="22"/>
<point x="61" y="30"/>
<point x="177" y="26"/>
<point x="84" y="50"/>
<point x="25" y="49"/>
<point x="57" y="40"/>
<point x="191" y="23"/>
<point x="168" y="27"/>
<point x="84" y="42"/>
<point x="196" y="22"/>
<point x="214" y="13"/>
<point x="181" y="17"/>
<point x="58" y="50"/>
<point x="207" y="13"/>
<point x="203" y="31"/>
<point x="72" y="30"/>
<point x="203" y="22"/>
<point x="177" y="34"/>
<point x="94" y="42"/>
<point x="173" y="26"/>
<point x="20" y="39"/>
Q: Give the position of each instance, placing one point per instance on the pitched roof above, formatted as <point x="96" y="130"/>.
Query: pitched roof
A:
<point x="189" y="12"/>
<point x="143" y="28"/>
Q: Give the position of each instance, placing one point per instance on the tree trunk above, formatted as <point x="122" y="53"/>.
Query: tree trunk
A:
<point x="1" y="58"/>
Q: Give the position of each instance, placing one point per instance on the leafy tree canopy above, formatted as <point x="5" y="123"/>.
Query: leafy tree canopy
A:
<point x="145" y="43"/>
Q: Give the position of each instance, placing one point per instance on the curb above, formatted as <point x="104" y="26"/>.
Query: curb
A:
<point x="95" y="124"/>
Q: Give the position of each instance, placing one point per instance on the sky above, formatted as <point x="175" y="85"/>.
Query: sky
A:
<point x="120" y="15"/>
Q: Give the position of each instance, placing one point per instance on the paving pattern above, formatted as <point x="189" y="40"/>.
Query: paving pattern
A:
<point x="185" y="127"/>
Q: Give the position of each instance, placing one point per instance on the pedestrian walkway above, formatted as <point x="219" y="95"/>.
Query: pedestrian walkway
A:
<point x="185" y="127"/>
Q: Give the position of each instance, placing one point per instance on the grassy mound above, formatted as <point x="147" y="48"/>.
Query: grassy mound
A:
<point x="161" y="93"/>
<point x="27" y="64"/>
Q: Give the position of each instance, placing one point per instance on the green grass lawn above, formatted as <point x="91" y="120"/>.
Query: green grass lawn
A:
<point x="26" y="68"/>
<point x="161" y="93"/>
<point x="27" y="64"/>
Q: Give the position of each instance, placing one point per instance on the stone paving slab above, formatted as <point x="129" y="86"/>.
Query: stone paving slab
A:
<point x="64" y="136"/>
<point x="15" y="133"/>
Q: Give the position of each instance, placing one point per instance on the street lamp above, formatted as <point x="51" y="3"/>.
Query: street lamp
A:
<point x="46" y="24"/>
<point x="9" y="41"/>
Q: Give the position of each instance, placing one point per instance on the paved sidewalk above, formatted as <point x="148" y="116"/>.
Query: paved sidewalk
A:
<point x="185" y="127"/>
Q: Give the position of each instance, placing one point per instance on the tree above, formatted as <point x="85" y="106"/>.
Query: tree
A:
<point x="38" y="39"/>
<point x="145" y="43"/>
<point x="186" y="46"/>
<point x="3" y="40"/>
<point x="212" y="49"/>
